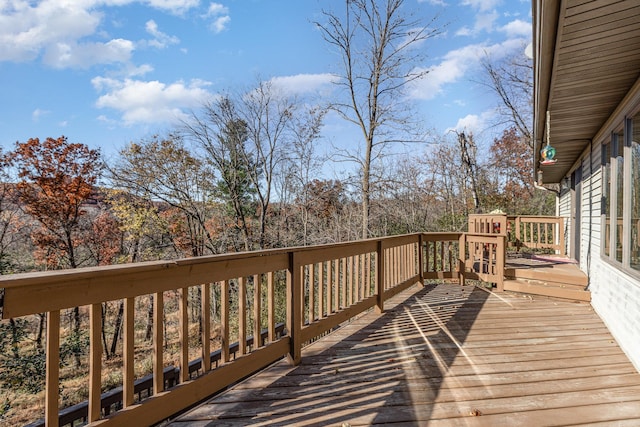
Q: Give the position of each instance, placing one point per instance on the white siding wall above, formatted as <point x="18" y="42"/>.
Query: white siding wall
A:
<point x="615" y="295"/>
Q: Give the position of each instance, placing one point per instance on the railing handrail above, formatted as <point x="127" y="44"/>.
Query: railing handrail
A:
<point x="387" y="266"/>
<point x="326" y="285"/>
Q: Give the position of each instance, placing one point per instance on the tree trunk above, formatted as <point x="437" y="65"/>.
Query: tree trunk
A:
<point x="116" y="329"/>
<point x="40" y="330"/>
<point x="366" y="190"/>
<point x="149" y="332"/>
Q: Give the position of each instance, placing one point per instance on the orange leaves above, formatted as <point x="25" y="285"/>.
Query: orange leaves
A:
<point x="56" y="178"/>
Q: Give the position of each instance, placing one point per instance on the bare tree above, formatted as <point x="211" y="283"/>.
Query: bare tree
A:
<point x="248" y="137"/>
<point x="511" y="79"/>
<point x="376" y="41"/>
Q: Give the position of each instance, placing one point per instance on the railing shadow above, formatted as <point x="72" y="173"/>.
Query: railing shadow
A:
<point x="388" y="370"/>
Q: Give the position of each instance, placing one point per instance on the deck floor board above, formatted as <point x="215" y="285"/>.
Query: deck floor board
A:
<point x="445" y="355"/>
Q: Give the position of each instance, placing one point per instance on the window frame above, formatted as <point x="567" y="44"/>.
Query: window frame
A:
<point x="620" y="141"/>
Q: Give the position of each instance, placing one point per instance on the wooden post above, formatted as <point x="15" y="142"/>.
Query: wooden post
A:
<point x="242" y="316"/>
<point x="380" y="270"/>
<point x="206" y="327"/>
<point x="421" y="258"/>
<point x="462" y="255"/>
<point x="294" y="309"/>
<point x="224" y="322"/>
<point x="184" y="335"/>
<point x="53" y="369"/>
<point x="312" y="301"/>
<point x="561" y="241"/>
<point x="95" y="361"/>
<point x="158" y="339"/>
<point x="500" y="261"/>
<point x="271" y="308"/>
<point x="128" y="353"/>
<point x="257" y="311"/>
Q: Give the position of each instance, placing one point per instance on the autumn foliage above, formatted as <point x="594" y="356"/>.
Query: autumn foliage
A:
<point x="56" y="178"/>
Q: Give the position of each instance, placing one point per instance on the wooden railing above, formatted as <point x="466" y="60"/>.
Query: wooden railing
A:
<point x="312" y="290"/>
<point x="538" y="232"/>
<point x="531" y="232"/>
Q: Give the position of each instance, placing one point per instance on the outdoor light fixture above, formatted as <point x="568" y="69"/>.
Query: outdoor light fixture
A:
<point x="548" y="153"/>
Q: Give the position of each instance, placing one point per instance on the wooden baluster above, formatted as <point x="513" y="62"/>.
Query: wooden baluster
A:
<point x="271" y="307"/>
<point x="380" y="276"/>
<point x="128" y="353"/>
<point x="343" y="281"/>
<point x="329" y="288"/>
<point x="295" y="298"/>
<point x="52" y="369"/>
<point x="369" y="273"/>
<point x="357" y="279"/>
<point x="312" y="301"/>
<point x="321" y="290"/>
<point x="336" y="284"/>
<point x="224" y="322"/>
<point x="242" y="316"/>
<point x="257" y="311"/>
<point x="183" y="334"/>
<point x="158" y="341"/>
<point x="206" y="326"/>
<point x="95" y="361"/>
<point x="350" y="279"/>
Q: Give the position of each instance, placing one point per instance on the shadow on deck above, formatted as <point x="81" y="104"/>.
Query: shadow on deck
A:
<point x="445" y="355"/>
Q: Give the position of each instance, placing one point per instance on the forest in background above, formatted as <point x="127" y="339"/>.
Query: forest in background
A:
<point x="247" y="172"/>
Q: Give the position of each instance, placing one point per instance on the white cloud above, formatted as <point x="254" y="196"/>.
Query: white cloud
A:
<point x="304" y="83"/>
<point x="26" y="31"/>
<point x="220" y="15"/>
<point x="433" y="2"/>
<point x="216" y="9"/>
<point x="161" y="40"/>
<point x="456" y="64"/>
<point x="517" y="28"/>
<point x="473" y="123"/>
<point x="220" y="24"/>
<point x="59" y="31"/>
<point x="481" y="5"/>
<point x="485" y="21"/>
<point x="177" y="7"/>
<point x="149" y="101"/>
<point x="72" y="55"/>
<point x="37" y="113"/>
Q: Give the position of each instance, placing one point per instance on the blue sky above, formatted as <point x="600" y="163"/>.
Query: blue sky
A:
<point x="108" y="72"/>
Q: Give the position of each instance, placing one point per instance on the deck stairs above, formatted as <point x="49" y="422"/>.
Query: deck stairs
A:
<point x="546" y="276"/>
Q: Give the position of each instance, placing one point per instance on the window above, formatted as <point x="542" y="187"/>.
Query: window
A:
<point x="635" y="195"/>
<point x="619" y="190"/>
<point x="621" y="195"/>
<point x="606" y="209"/>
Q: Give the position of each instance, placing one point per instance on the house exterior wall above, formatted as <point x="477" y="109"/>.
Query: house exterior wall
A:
<point x="615" y="292"/>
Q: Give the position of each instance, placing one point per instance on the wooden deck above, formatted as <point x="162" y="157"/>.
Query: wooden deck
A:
<point x="446" y="355"/>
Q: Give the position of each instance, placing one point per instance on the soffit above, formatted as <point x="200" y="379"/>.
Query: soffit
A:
<point x="582" y="73"/>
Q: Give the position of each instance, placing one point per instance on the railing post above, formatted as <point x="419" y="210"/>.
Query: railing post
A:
<point x="421" y="258"/>
<point x="462" y="252"/>
<point x="500" y="261"/>
<point x="95" y="365"/>
<point x="380" y="274"/>
<point x="294" y="309"/>
<point x="53" y="369"/>
<point x="561" y="241"/>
